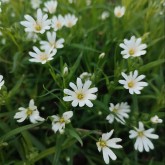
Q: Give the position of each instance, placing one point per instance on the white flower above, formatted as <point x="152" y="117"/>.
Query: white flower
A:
<point x="133" y="48"/>
<point x="35" y="3"/>
<point x="81" y="94"/>
<point x="50" y="6"/>
<point x="52" y="43"/>
<point x="70" y="20"/>
<point x="42" y="56"/>
<point x="32" y="36"/>
<point x="85" y="76"/>
<point x="118" y="112"/>
<point x="31" y="112"/>
<point x="104" y="15"/>
<point x="133" y="82"/>
<point x="119" y="11"/>
<point x="37" y="26"/>
<point x="155" y="119"/>
<point x="58" y="123"/>
<point x="58" y="22"/>
<point x="1" y="81"/>
<point x="105" y="143"/>
<point x="142" y="138"/>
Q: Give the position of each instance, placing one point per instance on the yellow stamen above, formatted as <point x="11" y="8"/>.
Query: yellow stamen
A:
<point x="131" y="52"/>
<point x="102" y="143"/>
<point x="38" y="27"/>
<point x="115" y="110"/>
<point x="140" y="133"/>
<point x="62" y="120"/>
<point x="118" y="14"/>
<point x="130" y="84"/>
<point x="29" y="112"/>
<point x="58" y="24"/>
<point x="70" y="24"/>
<point x="80" y="96"/>
<point x="43" y="57"/>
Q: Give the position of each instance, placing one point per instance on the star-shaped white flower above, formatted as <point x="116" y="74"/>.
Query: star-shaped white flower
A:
<point x="42" y="56"/>
<point x="155" y="119"/>
<point x="133" y="48"/>
<point x="70" y="20"/>
<point x="81" y="93"/>
<point x="1" y="81"/>
<point x="133" y="82"/>
<point x="119" y="11"/>
<point x="105" y="143"/>
<point x="52" y="43"/>
<point x="118" y="112"/>
<point x="58" y="22"/>
<point x="31" y="112"/>
<point x="50" y="6"/>
<point x="142" y="138"/>
<point x="37" y="26"/>
<point x="58" y="123"/>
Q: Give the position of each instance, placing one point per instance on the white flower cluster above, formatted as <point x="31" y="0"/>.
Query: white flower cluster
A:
<point x="41" y="24"/>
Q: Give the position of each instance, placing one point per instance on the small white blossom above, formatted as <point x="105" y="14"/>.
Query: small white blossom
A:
<point x="50" y="6"/>
<point x="104" y="15"/>
<point x="119" y="11"/>
<point x="1" y="81"/>
<point x="42" y="56"/>
<point x="32" y="36"/>
<point x="142" y="138"/>
<point x="37" y="26"/>
<point x="81" y="93"/>
<point x="31" y="112"/>
<point x="85" y="76"/>
<point x="105" y="143"/>
<point x="155" y="119"/>
<point x="133" y="82"/>
<point x="52" y="43"/>
<point x="58" y="22"/>
<point x="35" y="3"/>
<point x="133" y="48"/>
<point x="118" y="112"/>
<point x="70" y="20"/>
<point x="58" y="123"/>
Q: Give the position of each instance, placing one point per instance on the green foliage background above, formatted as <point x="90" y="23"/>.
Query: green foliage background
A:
<point x="28" y="144"/>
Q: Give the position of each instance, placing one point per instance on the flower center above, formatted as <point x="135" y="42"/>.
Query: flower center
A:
<point x="37" y="27"/>
<point x="29" y="112"/>
<point x="118" y="14"/>
<point x="62" y="120"/>
<point x="43" y="57"/>
<point x="131" y="52"/>
<point x="58" y="24"/>
<point x="102" y="143"/>
<point x="80" y="96"/>
<point x="130" y="84"/>
<point x="115" y="110"/>
<point x="70" y="24"/>
<point x="140" y="134"/>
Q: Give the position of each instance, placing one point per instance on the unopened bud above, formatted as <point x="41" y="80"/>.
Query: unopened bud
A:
<point x="101" y="55"/>
<point x="65" y="70"/>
